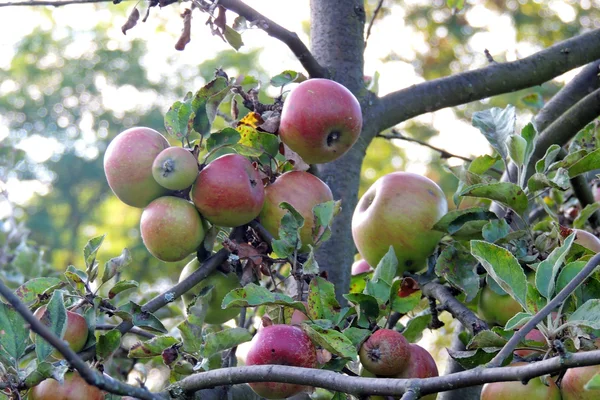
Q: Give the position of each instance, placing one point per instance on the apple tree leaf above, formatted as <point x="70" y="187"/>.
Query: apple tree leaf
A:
<point x="497" y="125"/>
<point x="539" y="181"/>
<point x="547" y="270"/>
<point x="367" y="305"/>
<point x="143" y="319"/>
<point x="455" y="219"/>
<point x="322" y="303"/>
<point x="330" y="339"/>
<point x="593" y="384"/>
<point x="460" y="269"/>
<point x="403" y="304"/>
<point x="516" y="322"/>
<point x="516" y="146"/>
<point x="482" y="164"/>
<point x="225" y="137"/>
<point x="585" y="214"/>
<point x="122" y="286"/>
<point x="380" y="284"/>
<point x="115" y="265"/>
<point x="151" y="348"/>
<point x="588" y="314"/>
<point x="543" y="165"/>
<point x="356" y="335"/>
<point x="253" y="295"/>
<point x="30" y="290"/>
<point x="588" y="163"/>
<point x="191" y="335"/>
<point x="470" y="359"/>
<point x="416" y="325"/>
<point x="233" y="37"/>
<point x="495" y="230"/>
<point x="286" y="77"/>
<point x="289" y="232"/>
<point x="486" y="338"/>
<point x="55" y="319"/>
<point x="76" y="278"/>
<point x="13" y="332"/>
<point x="179" y="119"/>
<point x="323" y="218"/>
<point x="202" y="122"/>
<point x="505" y="193"/>
<point x="226" y="339"/>
<point x="108" y="343"/>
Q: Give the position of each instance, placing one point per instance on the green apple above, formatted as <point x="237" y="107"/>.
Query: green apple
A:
<point x="73" y="388"/>
<point x="175" y="168"/>
<point x="76" y="332"/>
<point x="496" y="308"/>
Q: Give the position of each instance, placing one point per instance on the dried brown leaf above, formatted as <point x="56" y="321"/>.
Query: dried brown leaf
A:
<point x="186" y="33"/>
<point x="132" y="20"/>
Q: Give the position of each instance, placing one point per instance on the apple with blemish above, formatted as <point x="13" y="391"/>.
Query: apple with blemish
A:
<point x="175" y="168"/>
<point x="76" y="330"/>
<point x="386" y="352"/>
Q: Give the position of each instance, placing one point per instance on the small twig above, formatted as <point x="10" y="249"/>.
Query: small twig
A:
<point x="377" y="9"/>
<point x="435" y="318"/>
<point x="488" y="56"/>
<point x="51" y="3"/>
<point x="443" y="153"/>
<point x="134" y="330"/>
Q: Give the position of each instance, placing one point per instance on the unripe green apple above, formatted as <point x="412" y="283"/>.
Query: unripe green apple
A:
<point x="399" y="210"/>
<point x="175" y="168"/>
<point x="171" y="228"/>
<point x="320" y="120"/>
<point x="74" y="387"/>
<point x="221" y="283"/>
<point x="535" y="389"/>
<point x="280" y="345"/>
<point x="496" y="308"/>
<point x="229" y="191"/>
<point x="303" y="191"/>
<point x="128" y="166"/>
<point x="572" y="384"/>
<point x="76" y="332"/>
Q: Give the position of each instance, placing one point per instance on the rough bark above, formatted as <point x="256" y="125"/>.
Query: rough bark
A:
<point x="468" y="393"/>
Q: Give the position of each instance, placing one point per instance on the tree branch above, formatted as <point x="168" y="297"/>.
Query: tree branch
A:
<point x="134" y="330"/>
<point x="359" y="386"/>
<point x="92" y="377"/>
<point x="50" y="3"/>
<point x="458" y="310"/>
<point x="372" y="21"/>
<point x="395" y="134"/>
<point x="291" y="39"/>
<point x="489" y="81"/>
<point x="539" y="317"/>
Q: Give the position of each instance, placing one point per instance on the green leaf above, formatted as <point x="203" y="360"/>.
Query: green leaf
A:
<point x="503" y="267"/>
<point x="191" y="334"/>
<point x="460" y="269"/>
<point x="539" y="181"/>
<point x="588" y="163"/>
<point x="368" y="306"/>
<point x="289" y="232"/>
<point x="13" y="332"/>
<point x="416" y="325"/>
<point x="454" y="220"/>
<point x="115" y="265"/>
<point x="202" y="122"/>
<point x="473" y="358"/>
<point x="142" y="319"/>
<point x="108" y="343"/>
<point x="486" y="338"/>
<point x="323" y="218"/>
<point x="260" y="141"/>
<point x="121" y="286"/>
<point x="223" y="340"/>
<point x="586" y="315"/>
<point x="43" y="370"/>
<point x="528" y="133"/>
<point x="151" y="348"/>
<point x="387" y="267"/>
<point x="496" y="125"/>
<point x="482" y="163"/>
<point x="406" y="304"/>
<point x="505" y="193"/>
<point x="546" y="272"/>
<point x="517" y="147"/>
<point x="495" y="230"/>
<point x="336" y="342"/>
<point x="55" y="319"/>
<point x="310" y="266"/>
<point x="287" y="76"/>
<point x="356" y="335"/>
<point x="233" y="37"/>
<point x="179" y="119"/>
<point x="322" y="303"/>
<point x="30" y="290"/>
<point x="456" y="4"/>
<point x="89" y="252"/>
<point x="253" y="295"/>
<point x="225" y="137"/>
<point x="593" y="384"/>
<point x="544" y="164"/>
<point x="585" y="214"/>
<point x="534" y="100"/>
<point x="516" y="322"/>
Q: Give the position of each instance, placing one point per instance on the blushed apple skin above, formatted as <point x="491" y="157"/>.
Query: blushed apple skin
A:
<point x="399" y="209"/>
<point x="587" y="240"/>
<point x="534" y="390"/>
<point x="221" y="283"/>
<point x="76" y="332"/>
<point x="496" y="308"/>
<point x="575" y="379"/>
<point x="303" y="191"/>
<point x="73" y="388"/>
<point x="171" y="228"/>
<point x="422" y="365"/>
<point x="320" y="120"/>
<point x="128" y="166"/>
<point x="534" y="335"/>
<point x="386" y="353"/>
<point x="360" y="267"/>
<point x="280" y="345"/>
<point x="175" y="168"/>
<point x="228" y="191"/>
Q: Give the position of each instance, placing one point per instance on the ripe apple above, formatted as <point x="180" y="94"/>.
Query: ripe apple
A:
<point x="128" y="166"/>
<point x="399" y="210"/>
<point x="535" y="389"/>
<point x="280" y="345"/>
<point x="303" y="191"/>
<point x="320" y="120"/>
<point x="534" y="335"/>
<point x="386" y="352"/>
<point x="496" y="308"/>
<point x="171" y="228"/>
<point x="422" y="365"/>
<point x="76" y="332"/>
<point x="229" y="191"/>
<point x="221" y="283"/>
<point x="572" y="384"/>
<point x="298" y="316"/>
<point x="73" y="388"/>
<point x="360" y="267"/>
<point x="175" y="168"/>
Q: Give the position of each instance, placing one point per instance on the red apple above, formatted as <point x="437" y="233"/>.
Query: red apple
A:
<point x="128" y="166"/>
<point x="422" y="365"/>
<point x="76" y="332"/>
<point x="229" y="191"/>
<point x="303" y="191"/>
<point x="171" y="228"/>
<point x="535" y="389"/>
<point x="320" y="120"/>
<point x="73" y="388"/>
<point x="175" y="168"/>
<point x="572" y="384"/>
<point x="280" y="345"/>
<point x="298" y="316"/>
<point x="496" y="308"/>
<point x="360" y="267"/>
<point x="399" y="210"/>
<point x="536" y="336"/>
<point x="386" y="352"/>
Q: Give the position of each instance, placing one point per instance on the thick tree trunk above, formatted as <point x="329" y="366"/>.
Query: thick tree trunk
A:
<point x="337" y="43"/>
<point x="469" y="393"/>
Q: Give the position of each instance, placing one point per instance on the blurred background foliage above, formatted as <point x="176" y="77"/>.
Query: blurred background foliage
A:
<point x="67" y="91"/>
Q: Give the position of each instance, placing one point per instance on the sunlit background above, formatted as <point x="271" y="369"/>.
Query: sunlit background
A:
<point x="70" y="81"/>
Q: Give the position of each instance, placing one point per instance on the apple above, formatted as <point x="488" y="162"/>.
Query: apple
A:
<point x="496" y="308"/>
<point x="175" y="168"/>
<point x="386" y="352"/>
<point x="128" y="166"/>
<point x="596" y="190"/>
<point x="280" y="345"/>
<point x="73" y="388"/>
<point x="76" y="332"/>
<point x="221" y="283"/>
<point x="298" y="316"/>
<point x="171" y="228"/>
<point x="360" y="267"/>
<point x="320" y="120"/>
<point x="574" y="380"/>
<point x="303" y="191"/>
<point x="422" y="365"/>
<point x="229" y="191"/>
<point x="399" y="210"/>
<point x="582" y="238"/>
<point x="535" y="389"/>
<point x="536" y="336"/>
